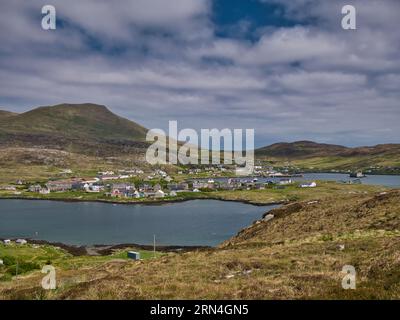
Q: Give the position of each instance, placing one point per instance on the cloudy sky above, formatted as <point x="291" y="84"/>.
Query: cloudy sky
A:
<point x="283" y="67"/>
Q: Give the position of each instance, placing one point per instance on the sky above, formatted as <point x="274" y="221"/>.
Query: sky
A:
<point x="285" y="68"/>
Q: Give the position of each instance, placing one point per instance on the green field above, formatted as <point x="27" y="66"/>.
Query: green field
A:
<point x="19" y="260"/>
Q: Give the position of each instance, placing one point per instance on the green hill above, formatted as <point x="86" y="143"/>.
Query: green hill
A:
<point x="300" y="149"/>
<point x="85" y="128"/>
<point x="308" y="155"/>
<point x="6" y="114"/>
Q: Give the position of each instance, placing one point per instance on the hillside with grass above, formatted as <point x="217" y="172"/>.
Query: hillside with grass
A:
<point x="300" y="149"/>
<point x="6" y="114"/>
<point x="294" y="252"/>
<point x="88" y="129"/>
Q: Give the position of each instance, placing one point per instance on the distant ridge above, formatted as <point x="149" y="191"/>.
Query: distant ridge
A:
<point x="300" y="149"/>
<point x="309" y="149"/>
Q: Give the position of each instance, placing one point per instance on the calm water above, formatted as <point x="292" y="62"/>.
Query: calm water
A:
<point x="383" y="180"/>
<point x="197" y="222"/>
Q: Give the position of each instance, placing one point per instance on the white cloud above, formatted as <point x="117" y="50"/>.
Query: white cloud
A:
<point x="158" y="60"/>
<point x="321" y="82"/>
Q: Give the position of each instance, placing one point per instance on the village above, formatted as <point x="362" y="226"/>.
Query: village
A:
<point x="135" y="183"/>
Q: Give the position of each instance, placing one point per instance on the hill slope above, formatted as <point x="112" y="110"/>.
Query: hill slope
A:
<point x="313" y="156"/>
<point x="6" y="114"/>
<point x="305" y="220"/>
<point x="309" y="149"/>
<point x="300" y="149"/>
<point x="85" y="128"/>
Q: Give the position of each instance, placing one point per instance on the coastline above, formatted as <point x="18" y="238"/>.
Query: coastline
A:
<point x="105" y="250"/>
<point x="147" y="203"/>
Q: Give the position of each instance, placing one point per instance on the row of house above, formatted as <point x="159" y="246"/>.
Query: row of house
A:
<point x="178" y="187"/>
<point x="239" y="184"/>
<point x="8" y="188"/>
<point x="230" y="184"/>
<point x="258" y="169"/>
<point x="127" y="190"/>
<point x="18" y="241"/>
<point x="66" y="185"/>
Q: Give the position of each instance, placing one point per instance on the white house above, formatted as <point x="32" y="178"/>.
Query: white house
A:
<point x="8" y="188"/>
<point x="161" y="173"/>
<point x="44" y="191"/>
<point x="137" y="194"/>
<point x="173" y="194"/>
<point x="35" y="188"/>
<point x="96" y="188"/>
<point x="159" y="194"/>
<point x="7" y="241"/>
<point x="106" y="173"/>
<point x="308" y="185"/>
<point x="21" y="241"/>
<point x="285" y="181"/>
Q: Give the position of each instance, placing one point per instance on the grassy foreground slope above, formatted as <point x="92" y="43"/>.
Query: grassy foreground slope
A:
<point x="298" y="254"/>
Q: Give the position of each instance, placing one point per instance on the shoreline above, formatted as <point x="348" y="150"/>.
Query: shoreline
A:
<point x="106" y="250"/>
<point x="147" y="203"/>
<point x="301" y="173"/>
